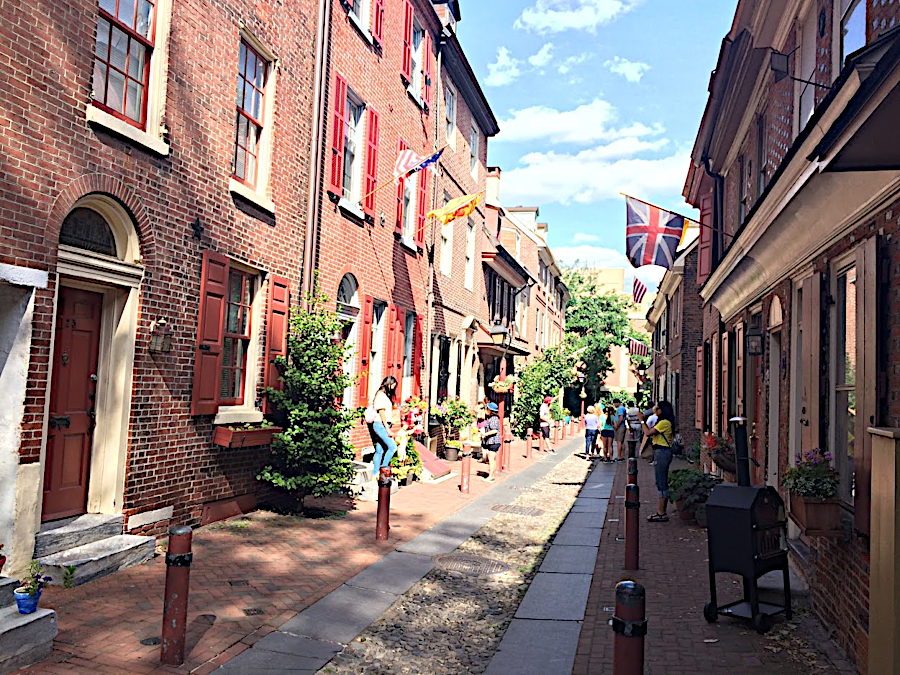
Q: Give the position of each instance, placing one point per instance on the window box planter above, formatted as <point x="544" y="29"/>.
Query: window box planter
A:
<point x="816" y="517"/>
<point x="228" y="437"/>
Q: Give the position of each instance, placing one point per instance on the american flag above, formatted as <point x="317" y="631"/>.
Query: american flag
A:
<point x="638" y="291"/>
<point x="638" y="348"/>
<point x="652" y="235"/>
<point x="409" y="162"/>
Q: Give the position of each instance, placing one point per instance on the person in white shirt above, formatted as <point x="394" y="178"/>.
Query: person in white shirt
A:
<point x="378" y="415"/>
<point x="546" y="420"/>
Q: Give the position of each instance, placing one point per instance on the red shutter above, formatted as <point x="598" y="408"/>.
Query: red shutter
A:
<point x="378" y="20"/>
<point x="401" y="186"/>
<point x="371" y="163"/>
<point x="389" y="362"/>
<point x="417" y="356"/>
<point x="426" y="79"/>
<point x="337" y="135"/>
<point x="210" y="326"/>
<point x="276" y="332"/>
<point x="422" y="204"/>
<point x="407" y="41"/>
<point x="364" y="340"/>
<point x="399" y="344"/>
<point x="704" y="257"/>
<point x="698" y="398"/>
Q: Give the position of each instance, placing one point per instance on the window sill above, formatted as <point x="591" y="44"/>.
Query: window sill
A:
<point x="363" y="30"/>
<point x="351" y="209"/>
<point x="409" y="243"/>
<point x="248" y="193"/>
<point x="236" y="415"/>
<point x="416" y="98"/>
<point x="121" y="128"/>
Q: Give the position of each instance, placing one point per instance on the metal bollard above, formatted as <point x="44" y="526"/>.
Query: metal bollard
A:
<point x="505" y="449"/>
<point x="632" y="516"/>
<point x="464" y="473"/>
<point x="632" y="447"/>
<point x="175" y="602"/>
<point x="382" y="519"/>
<point x="630" y="626"/>
<point x="528" y="442"/>
<point x="555" y="434"/>
<point x="632" y="470"/>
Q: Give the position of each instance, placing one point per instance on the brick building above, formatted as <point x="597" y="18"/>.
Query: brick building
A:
<point x="140" y="192"/>
<point x="796" y="175"/>
<point x="675" y="321"/>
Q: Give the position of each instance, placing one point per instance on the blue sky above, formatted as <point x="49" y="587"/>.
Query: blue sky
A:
<point x="594" y="97"/>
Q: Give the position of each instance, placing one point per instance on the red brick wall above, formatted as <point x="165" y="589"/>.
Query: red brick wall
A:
<point x="55" y="157"/>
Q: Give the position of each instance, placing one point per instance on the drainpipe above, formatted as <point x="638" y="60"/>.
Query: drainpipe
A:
<point x="313" y="212"/>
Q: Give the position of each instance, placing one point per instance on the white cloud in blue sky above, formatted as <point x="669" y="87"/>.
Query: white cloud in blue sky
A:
<point x="594" y="98"/>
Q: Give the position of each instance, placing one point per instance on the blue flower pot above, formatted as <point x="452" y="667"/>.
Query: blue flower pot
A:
<point x="26" y="603"/>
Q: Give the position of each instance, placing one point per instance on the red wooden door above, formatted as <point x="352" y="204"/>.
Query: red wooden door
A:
<point x="72" y="403"/>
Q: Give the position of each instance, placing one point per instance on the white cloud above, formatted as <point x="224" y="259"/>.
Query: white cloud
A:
<point x="542" y="57"/>
<point x="584" y="238"/>
<point x="585" y="124"/>
<point x="632" y="71"/>
<point x="609" y="258"/>
<point x="504" y="71"/>
<point x="594" y="174"/>
<point x="573" y="61"/>
<point x="555" y="16"/>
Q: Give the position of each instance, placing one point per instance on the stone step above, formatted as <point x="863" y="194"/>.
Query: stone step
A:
<point x="61" y="535"/>
<point x="368" y="491"/>
<point x="25" y="639"/>
<point x="98" y="558"/>
<point x="363" y="473"/>
<point x="7" y="586"/>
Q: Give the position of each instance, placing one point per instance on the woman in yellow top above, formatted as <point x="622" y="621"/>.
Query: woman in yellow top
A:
<point x="661" y="436"/>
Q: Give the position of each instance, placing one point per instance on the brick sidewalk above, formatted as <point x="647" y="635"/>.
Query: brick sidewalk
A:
<point x="674" y="571"/>
<point x="276" y="564"/>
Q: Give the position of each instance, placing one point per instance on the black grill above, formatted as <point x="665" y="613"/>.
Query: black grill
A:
<point x="746" y="531"/>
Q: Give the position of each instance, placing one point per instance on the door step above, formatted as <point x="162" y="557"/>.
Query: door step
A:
<point x="7" y="586"/>
<point x="98" y="558"/>
<point x="25" y="639"/>
<point x="61" y="535"/>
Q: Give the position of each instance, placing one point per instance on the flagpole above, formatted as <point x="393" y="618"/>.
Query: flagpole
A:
<point x="406" y="175"/>
<point x="699" y="224"/>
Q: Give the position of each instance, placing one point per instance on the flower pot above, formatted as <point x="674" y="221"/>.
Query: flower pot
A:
<point x="409" y="479"/>
<point x="2" y="562"/>
<point x="451" y="453"/>
<point x="27" y="603"/>
<point x="686" y="514"/>
<point x="244" y="438"/>
<point x="816" y="517"/>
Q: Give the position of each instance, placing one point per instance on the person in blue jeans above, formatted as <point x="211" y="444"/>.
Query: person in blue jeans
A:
<point x="378" y="416"/>
<point x="662" y="434"/>
<point x="591" y="426"/>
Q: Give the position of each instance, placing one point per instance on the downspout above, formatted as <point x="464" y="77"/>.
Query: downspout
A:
<point x="313" y="212"/>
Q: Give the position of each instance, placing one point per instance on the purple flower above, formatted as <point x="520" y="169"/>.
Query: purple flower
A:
<point x="827" y="456"/>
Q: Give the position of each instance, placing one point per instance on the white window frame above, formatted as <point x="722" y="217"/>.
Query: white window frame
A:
<point x="410" y="212"/>
<point x="469" y="281"/>
<point x="416" y="62"/>
<point x="840" y="20"/>
<point x="152" y="137"/>
<point x="450" y="99"/>
<point x="805" y="94"/>
<point x="446" y="265"/>
<point x="474" y="141"/>
<point x="376" y="345"/>
<point x="839" y="268"/>
<point x="362" y="18"/>
<point x="354" y="133"/>
<point x="408" y="372"/>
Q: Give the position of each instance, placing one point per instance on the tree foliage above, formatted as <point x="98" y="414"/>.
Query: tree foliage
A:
<point x="313" y="455"/>
<point x="542" y="377"/>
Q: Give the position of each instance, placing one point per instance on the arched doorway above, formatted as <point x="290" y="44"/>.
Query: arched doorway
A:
<point x="93" y="360"/>
<point x="348" y="311"/>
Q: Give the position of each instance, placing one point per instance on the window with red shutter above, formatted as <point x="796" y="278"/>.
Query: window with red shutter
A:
<point x="401" y="188"/>
<point x="365" y="350"/>
<point x="698" y="397"/>
<point x="210" y="330"/>
<point x="371" y="163"/>
<point x="426" y="80"/>
<point x="338" y="132"/>
<point x="704" y="248"/>
<point x="405" y="65"/>
<point x="422" y="204"/>
<point x="392" y="339"/>
<point x="378" y="20"/>
<point x="276" y="332"/>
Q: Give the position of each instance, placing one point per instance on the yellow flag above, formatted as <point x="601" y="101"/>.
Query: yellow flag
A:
<point x="456" y="208"/>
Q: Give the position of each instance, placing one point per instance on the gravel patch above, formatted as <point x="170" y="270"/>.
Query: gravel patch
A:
<point x="452" y="622"/>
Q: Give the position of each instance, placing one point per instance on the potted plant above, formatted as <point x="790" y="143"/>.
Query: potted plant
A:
<point x="813" y="484"/>
<point x="453" y="415"/>
<point x="504" y="386"/>
<point x="245" y="435"/>
<point x="721" y="451"/>
<point x="693" y="492"/>
<point x="29" y="593"/>
<point x="2" y="558"/>
<point x="408" y="469"/>
<point x="677" y="480"/>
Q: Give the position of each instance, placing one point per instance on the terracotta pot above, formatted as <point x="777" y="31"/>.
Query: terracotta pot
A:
<point x="817" y="517"/>
<point x="686" y="514"/>
<point x="244" y="438"/>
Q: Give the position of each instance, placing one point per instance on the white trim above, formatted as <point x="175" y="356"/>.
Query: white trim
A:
<point x="237" y="414"/>
<point x="243" y="190"/>
<point x="23" y="276"/>
<point x="149" y="517"/>
<point x="155" y="144"/>
<point x="101" y="268"/>
<point x="360" y="26"/>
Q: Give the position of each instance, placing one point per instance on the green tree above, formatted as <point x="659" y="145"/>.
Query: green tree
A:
<point x="313" y="455"/>
<point x="542" y="377"/>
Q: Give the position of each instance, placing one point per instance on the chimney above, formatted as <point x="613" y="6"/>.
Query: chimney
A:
<point x="542" y="231"/>
<point x="492" y="185"/>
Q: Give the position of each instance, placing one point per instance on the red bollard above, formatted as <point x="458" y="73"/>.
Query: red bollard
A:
<point x="632" y="470"/>
<point x="175" y="601"/>
<point x="630" y="626"/>
<point x="464" y="472"/>
<point x="506" y="449"/>
<point x="555" y="434"/>
<point x="632" y="516"/>
<point x="528" y="442"/>
<point x="382" y="519"/>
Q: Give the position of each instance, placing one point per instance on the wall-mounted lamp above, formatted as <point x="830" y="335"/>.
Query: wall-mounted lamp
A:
<point x="780" y="65"/>
<point x="160" y="337"/>
<point x="754" y="342"/>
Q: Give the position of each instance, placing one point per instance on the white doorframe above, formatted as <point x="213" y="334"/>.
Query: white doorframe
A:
<point x="774" y="443"/>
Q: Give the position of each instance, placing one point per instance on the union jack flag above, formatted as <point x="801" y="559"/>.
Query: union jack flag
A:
<point x="638" y="348"/>
<point x="652" y="235"/>
<point x="409" y="162"/>
<point x="638" y="291"/>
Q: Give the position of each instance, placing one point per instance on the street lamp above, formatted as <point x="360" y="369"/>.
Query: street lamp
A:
<point x="501" y="335"/>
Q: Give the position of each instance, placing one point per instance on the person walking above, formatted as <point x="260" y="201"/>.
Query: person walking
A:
<point x="490" y="440"/>
<point x="621" y="427"/>
<point x="379" y="417"/>
<point x="546" y="421"/>
<point x="662" y="434"/>
<point x="607" y="434"/>
<point x="591" y="426"/>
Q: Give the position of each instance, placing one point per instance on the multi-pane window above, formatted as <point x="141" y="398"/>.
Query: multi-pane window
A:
<point x="360" y="8"/>
<point x="447" y="248"/>
<point x="470" y="255"/>
<point x="236" y="337"/>
<point x="416" y="59"/>
<point x="473" y="151"/>
<point x="122" y="58"/>
<point x="376" y="354"/>
<point x="353" y="141"/>
<point x="409" y="206"/>
<point x="852" y="26"/>
<point x="845" y="380"/>
<point x="409" y="334"/>
<point x="251" y="85"/>
<point x="450" y="111"/>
